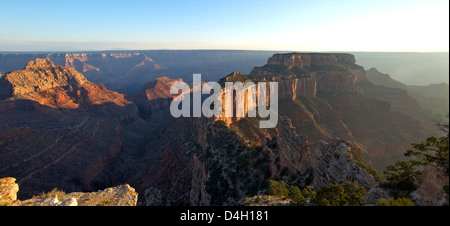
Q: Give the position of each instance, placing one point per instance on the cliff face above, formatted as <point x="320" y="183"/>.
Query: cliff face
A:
<point x="305" y="74"/>
<point x="294" y="149"/>
<point x="328" y="95"/>
<point x="339" y="163"/>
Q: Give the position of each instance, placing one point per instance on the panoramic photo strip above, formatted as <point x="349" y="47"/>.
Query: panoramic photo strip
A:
<point x="226" y="111"/>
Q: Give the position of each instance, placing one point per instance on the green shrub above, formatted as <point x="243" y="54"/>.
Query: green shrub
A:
<point x="434" y="151"/>
<point x="402" y="201"/>
<point x="296" y="195"/>
<point x="355" y="193"/>
<point x="276" y="188"/>
<point x="346" y="194"/>
<point x="331" y="195"/>
<point x="309" y="193"/>
<point x="400" y="176"/>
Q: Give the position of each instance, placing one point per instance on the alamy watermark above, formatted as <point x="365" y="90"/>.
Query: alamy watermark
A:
<point x="212" y="106"/>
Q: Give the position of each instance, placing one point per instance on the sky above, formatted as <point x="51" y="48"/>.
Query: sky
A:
<point x="285" y="25"/>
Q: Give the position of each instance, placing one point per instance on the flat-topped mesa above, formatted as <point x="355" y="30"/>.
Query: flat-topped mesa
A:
<point x="307" y="60"/>
<point x="305" y="74"/>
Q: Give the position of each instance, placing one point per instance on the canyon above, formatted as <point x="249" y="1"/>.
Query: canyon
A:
<point x="127" y="71"/>
<point x="59" y="129"/>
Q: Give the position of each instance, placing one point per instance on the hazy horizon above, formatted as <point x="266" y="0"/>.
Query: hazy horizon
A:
<point x="200" y="49"/>
<point x="311" y="26"/>
<point x="410" y="68"/>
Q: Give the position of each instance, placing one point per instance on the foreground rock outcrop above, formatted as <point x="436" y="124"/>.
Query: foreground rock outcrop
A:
<point x="8" y="189"/>
<point x="122" y="195"/>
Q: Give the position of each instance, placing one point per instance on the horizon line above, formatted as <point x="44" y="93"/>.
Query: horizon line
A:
<point x="256" y="50"/>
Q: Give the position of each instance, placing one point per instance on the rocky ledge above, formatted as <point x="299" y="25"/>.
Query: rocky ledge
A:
<point x="122" y="195"/>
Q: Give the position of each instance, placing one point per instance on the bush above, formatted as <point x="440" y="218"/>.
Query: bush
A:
<point x="402" y="201"/>
<point x="355" y="193"/>
<point x="296" y="195"/>
<point x="400" y="176"/>
<point x="346" y="194"/>
<point x="331" y="195"/>
<point x="309" y="193"/>
<point x="433" y="152"/>
<point x="283" y="190"/>
<point x="277" y="189"/>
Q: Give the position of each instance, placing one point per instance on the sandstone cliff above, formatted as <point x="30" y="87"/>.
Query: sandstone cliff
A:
<point x="305" y="74"/>
<point x="328" y="95"/>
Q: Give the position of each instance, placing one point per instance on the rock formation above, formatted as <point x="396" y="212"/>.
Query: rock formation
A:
<point x="305" y="74"/>
<point x="155" y="96"/>
<point x="8" y="189"/>
<point x="311" y="84"/>
<point x="122" y="195"/>
<point x="339" y="163"/>
<point x="328" y="95"/>
<point x="294" y="149"/>
<point x="56" y="86"/>
<point x="429" y="191"/>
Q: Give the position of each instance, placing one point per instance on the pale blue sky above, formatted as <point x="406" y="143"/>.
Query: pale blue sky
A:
<point x="333" y="25"/>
